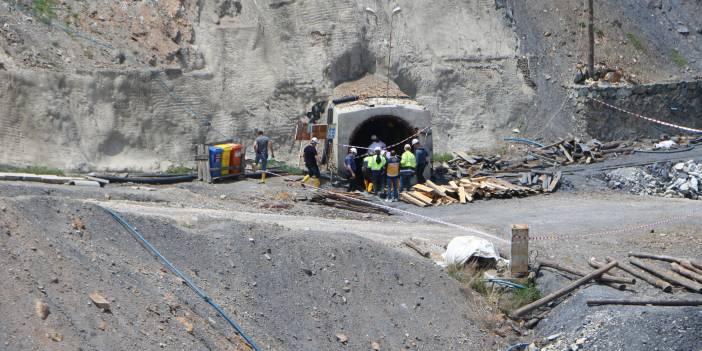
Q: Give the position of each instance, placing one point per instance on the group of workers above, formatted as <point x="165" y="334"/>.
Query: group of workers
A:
<point x="383" y="171"/>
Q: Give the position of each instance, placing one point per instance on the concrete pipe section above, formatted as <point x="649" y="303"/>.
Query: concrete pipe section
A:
<point x="391" y="120"/>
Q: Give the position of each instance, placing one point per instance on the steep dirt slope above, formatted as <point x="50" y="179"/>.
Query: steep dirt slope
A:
<point x="289" y="290"/>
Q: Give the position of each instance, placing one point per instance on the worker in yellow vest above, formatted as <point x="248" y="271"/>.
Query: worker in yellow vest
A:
<point x="376" y="163"/>
<point x="367" y="178"/>
<point x="408" y="164"/>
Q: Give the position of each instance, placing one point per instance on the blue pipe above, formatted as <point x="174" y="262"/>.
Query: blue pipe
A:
<point x="176" y="271"/>
<point x="524" y="141"/>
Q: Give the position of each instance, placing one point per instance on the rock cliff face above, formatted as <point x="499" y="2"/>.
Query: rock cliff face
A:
<point x="117" y="85"/>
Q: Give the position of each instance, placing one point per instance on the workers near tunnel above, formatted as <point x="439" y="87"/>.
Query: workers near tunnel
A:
<point x="311" y="158"/>
<point x="408" y="165"/>
<point x="262" y="145"/>
<point x="375" y="142"/>
<point x="350" y="165"/>
<point x="393" y="177"/>
<point x="421" y="157"/>
<point x="376" y="163"/>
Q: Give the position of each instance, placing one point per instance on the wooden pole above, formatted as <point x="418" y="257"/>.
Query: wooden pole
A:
<point x="618" y="281"/>
<point x="680" y="261"/>
<point x="591" y="39"/>
<point x="686" y="272"/>
<point x="567" y="289"/>
<point x="667" y="276"/>
<point x="645" y="302"/>
<point x="594" y="263"/>
<point x="416" y="248"/>
<point x="665" y="286"/>
<point x="519" y="263"/>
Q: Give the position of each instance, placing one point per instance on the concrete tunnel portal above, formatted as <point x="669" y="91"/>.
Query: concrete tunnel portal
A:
<point x="391" y="120"/>
<point x="389" y="129"/>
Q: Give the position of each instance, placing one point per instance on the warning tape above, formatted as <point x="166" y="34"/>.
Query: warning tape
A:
<point x="666" y="220"/>
<point x="393" y="145"/>
<point x="667" y="124"/>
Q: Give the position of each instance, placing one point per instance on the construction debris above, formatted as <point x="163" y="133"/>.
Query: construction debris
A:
<point x="563" y="291"/>
<point x="651" y="302"/>
<point x="667" y="179"/>
<point x="467" y="190"/>
<point x="347" y="201"/>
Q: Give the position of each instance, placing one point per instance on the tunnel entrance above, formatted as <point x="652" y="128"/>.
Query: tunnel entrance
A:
<point x="389" y="129"/>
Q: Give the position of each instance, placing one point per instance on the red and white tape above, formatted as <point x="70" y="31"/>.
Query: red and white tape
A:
<point x="663" y="123"/>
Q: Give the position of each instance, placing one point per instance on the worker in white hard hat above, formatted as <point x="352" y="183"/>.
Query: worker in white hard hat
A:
<point x="422" y="157"/>
<point x="375" y="142"/>
<point x="311" y="158"/>
<point x="376" y="163"/>
<point x="351" y="168"/>
<point x="408" y="164"/>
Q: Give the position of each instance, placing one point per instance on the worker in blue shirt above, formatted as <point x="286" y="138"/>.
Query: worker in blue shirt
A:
<point x="350" y="164"/>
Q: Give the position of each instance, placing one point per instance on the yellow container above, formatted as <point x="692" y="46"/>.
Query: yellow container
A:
<point x="226" y="157"/>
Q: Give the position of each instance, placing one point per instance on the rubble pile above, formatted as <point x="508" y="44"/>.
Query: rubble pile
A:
<point x="532" y="157"/>
<point x="668" y="179"/>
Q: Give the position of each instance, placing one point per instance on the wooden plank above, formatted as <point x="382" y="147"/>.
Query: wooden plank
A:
<point x="416" y="248"/>
<point x="437" y="189"/>
<point x="406" y="197"/>
<point x="423" y="188"/>
<point x="462" y="196"/>
<point x="421" y="197"/>
<point x="519" y="263"/>
<point x="554" y="183"/>
<point x="566" y="153"/>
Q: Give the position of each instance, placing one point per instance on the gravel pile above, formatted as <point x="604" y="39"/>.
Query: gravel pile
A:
<point x="676" y="180"/>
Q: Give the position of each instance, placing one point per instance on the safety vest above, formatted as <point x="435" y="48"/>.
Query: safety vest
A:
<point x="374" y="165"/>
<point x="408" y="160"/>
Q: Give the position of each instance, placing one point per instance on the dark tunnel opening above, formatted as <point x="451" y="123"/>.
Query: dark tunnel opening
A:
<point x="389" y="129"/>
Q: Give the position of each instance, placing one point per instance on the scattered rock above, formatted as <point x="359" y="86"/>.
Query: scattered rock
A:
<point x="55" y="336"/>
<point x="100" y="301"/>
<point x="375" y="346"/>
<point x="342" y="338"/>
<point x="102" y="326"/>
<point x="683" y="30"/>
<point x="189" y="327"/>
<point x="42" y="309"/>
<point x="547" y="34"/>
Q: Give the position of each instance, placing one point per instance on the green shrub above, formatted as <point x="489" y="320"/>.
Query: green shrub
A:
<point x="44" y="9"/>
<point x="678" y="59"/>
<point x="443" y="157"/>
<point x="635" y="41"/>
<point x="525" y="296"/>
<point x="42" y="170"/>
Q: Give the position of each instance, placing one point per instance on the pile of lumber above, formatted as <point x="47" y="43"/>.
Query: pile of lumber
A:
<point x="529" y="158"/>
<point x="467" y="190"/>
<point x="347" y="201"/>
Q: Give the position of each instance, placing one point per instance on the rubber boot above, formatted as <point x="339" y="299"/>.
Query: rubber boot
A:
<point x="316" y="183"/>
<point x="263" y="178"/>
<point x="305" y="179"/>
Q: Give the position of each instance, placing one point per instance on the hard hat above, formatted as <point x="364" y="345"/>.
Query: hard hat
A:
<point x="377" y="148"/>
<point x="415" y="141"/>
<point x="353" y="150"/>
<point x="315" y="140"/>
<point x="407" y="146"/>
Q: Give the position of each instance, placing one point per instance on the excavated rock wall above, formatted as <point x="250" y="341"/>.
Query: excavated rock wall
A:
<point x="256" y="64"/>
<point x="679" y="103"/>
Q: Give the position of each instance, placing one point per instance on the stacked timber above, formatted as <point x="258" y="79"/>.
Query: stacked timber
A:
<point x="467" y="190"/>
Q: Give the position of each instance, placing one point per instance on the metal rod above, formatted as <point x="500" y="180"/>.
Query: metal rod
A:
<point x="665" y="286"/>
<point x="667" y="275"/>
<point x="600" y="302"/>
<point x="591" y="39"/>
<point x="567" y="289"/>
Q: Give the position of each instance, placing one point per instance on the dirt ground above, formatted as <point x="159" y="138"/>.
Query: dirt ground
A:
<point x="295" y="274"/>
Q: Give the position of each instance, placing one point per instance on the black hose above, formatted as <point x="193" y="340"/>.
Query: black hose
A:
<point x="150" y="180"/>
<point x="344" y="99"/>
